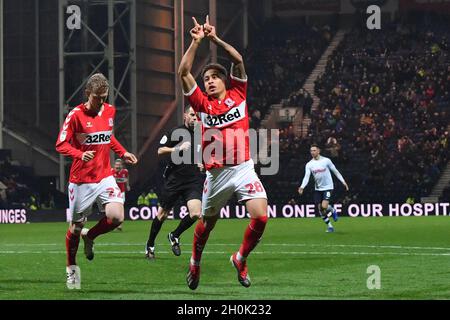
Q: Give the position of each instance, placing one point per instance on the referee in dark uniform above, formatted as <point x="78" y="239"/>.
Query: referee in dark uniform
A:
<point x="183" y="181"/>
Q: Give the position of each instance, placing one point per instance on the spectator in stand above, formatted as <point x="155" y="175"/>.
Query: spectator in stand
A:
<point x="410" y="200"/>
<point x="386" y="100"/>
<point x="279" y="62"/>
<point x="143" y="200"/>
<point x="152" y="198"/>
<point x="333" y="147"/>
<point x="256" y="119"/>
<point x="33" y="203"/>
<point x="3" y="196"/>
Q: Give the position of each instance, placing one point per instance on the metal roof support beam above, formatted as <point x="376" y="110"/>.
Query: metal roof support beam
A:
<point x="96" y="51"/>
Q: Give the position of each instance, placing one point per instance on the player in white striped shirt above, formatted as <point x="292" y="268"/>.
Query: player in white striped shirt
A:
<point x="320" y="168"/>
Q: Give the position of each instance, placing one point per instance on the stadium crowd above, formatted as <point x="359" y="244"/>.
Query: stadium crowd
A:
<point x="383" y="117"/>
<point x="20" y="188"/>
<point x="278" y="62"/>
<point x="14" y="188"/>
<point x="384" y="112"/>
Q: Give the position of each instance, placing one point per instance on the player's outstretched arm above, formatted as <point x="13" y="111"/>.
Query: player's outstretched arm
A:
<point x="305" y="180"/>
<point x="337" y="174"/>
<point x="184" y="70"/>
<point x="63" y="143"/>
<point x="346" y="185"/>
<point x="120" y="150"/>
<point x="65" y="148"/>
<point x="238" y="63"/>
<point x="130" y="158"/>
<point x="168" y="150"/>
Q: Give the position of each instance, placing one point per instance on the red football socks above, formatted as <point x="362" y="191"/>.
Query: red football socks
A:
<point x="200" y="237"/>
<point x="103" y="226"/>
<point x="252" y="235"/>
<point x="72" y="242"/>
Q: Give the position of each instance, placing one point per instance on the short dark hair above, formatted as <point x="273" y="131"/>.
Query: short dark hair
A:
<point x="315" y="145"/>
<point x="186" y="108"/>
<point x="218" y="67"/>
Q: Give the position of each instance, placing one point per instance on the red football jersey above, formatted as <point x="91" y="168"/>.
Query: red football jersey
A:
<point x="121" y="178"/>
<point x="84" y="131"/>
<point x="225" y="123"/>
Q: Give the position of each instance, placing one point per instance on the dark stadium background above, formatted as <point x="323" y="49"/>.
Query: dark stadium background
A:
<point x="377" y="101"/>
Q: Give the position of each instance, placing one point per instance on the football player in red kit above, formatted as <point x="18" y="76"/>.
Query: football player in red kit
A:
<point x="225" y="142"/>
<point x="87" y="136"/>
<point x="121" y="175"/>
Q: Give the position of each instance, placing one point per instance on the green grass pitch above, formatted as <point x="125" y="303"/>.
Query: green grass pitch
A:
<point x="295" y="260"/>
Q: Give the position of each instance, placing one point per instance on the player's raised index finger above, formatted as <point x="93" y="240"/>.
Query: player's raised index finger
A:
<point x="207" y="19"/>
<point x="195" y="21"/>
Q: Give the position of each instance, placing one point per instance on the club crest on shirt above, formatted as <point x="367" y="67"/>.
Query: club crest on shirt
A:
<point x="111" y="122"/>
<point x="88" y="124"/>
<point x="229" y="102"/>
<point x="163" y="140"/>
<point x="62" y="136"/>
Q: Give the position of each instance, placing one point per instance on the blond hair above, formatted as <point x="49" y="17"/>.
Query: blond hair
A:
<point x="97" y="82"/>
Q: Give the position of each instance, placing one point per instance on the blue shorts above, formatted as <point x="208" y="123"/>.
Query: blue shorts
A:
<point x="319" y="196"/>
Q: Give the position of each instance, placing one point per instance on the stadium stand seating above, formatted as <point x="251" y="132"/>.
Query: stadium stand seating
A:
<point x="21" y="188"/>
<point x="383" y="116"/>
<point x="279" y="60"/>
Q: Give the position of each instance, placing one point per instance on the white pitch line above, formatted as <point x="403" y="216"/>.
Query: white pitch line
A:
<point x="107" y="244"/>
<point x="356" y="246"/>
<point x="256" y="252"/>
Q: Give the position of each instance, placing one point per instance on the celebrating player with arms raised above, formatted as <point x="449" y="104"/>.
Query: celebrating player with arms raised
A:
<point x="230" y="170"/>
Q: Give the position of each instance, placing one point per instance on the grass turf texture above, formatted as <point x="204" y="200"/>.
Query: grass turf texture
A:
<point x="295" y="260"/>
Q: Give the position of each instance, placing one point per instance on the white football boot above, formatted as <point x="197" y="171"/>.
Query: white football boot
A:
<point x="73" y="277"/>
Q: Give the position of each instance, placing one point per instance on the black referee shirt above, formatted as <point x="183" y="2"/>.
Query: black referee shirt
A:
<point x="181" y="173"/>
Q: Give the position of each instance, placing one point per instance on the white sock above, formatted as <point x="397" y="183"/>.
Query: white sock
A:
<point x="329" y="211"/>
